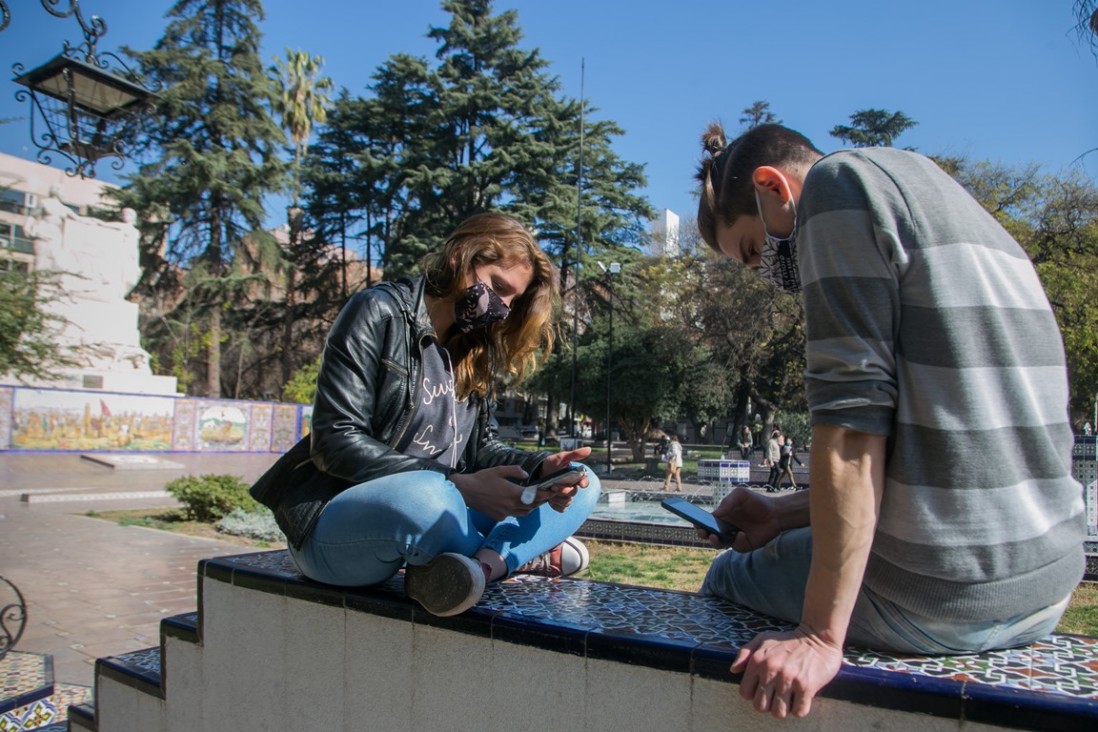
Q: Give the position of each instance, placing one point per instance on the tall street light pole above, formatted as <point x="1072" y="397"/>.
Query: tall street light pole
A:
<point x="573" y="428"/>
<point x="610" y="271"/>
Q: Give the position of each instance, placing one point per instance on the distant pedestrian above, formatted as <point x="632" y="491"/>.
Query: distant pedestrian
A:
<point x="674" y="464"/>
<point x="773" y="458"/>
<point x="785" y="464"/>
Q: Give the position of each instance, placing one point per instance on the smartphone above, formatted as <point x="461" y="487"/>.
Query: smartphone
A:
<point x="700" y="517"/>
<point x="569" y="475"/>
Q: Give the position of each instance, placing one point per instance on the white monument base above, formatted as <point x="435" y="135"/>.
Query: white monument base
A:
<point x="96" y="265"/>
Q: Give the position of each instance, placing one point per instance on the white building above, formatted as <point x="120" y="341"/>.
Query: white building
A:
<point x="665" y="234"/>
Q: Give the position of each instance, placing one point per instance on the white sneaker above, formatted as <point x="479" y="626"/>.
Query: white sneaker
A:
<point x="564" y="560"/>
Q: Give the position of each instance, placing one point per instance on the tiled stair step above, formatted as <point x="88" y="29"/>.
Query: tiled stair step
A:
<point x="184" y="627"/>
<point x="24" y="679"/>
<point x="82" y="717"/>
<point x="47" y="714"/>
<point x="139" y="670"/>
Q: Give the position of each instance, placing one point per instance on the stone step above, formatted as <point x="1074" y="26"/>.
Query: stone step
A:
<point x="82" y="717"/>
<point x="139" y="670"/>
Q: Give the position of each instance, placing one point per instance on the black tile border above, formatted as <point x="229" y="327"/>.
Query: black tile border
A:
<point x="83" y="716"/>
<point x="118" y="668"/>
<point x="182" y="627"/>
<point x="880" y="688"/>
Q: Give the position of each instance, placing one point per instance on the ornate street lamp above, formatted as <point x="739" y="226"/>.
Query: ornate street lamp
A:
<point x="80" y="108"/>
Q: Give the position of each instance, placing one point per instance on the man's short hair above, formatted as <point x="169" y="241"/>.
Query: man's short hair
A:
<point x="726" y="169"/>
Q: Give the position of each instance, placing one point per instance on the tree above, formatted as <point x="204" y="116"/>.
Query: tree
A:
<point x="483" y="128"/>
<point x="303" y="100"/>
<point x="873" y="128"/>
<point x="212" y="146"/>
<point x="758" y="114"/>
<point x="28" y="328"/>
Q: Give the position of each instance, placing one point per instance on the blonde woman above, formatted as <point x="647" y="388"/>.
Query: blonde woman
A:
<point x="403" y="469"/>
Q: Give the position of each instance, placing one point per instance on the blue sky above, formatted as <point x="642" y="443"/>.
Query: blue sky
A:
<point x="1001" y="80"/>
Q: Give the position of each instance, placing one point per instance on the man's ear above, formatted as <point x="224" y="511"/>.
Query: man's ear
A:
<point x="768" y="180"/>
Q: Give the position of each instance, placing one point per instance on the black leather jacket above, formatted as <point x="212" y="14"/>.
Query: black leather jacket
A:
<point x="365" y="399"/>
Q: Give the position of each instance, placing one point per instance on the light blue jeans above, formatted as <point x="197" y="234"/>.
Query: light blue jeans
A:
<point x="772" y="580"/>
<point x="371" y="530"/>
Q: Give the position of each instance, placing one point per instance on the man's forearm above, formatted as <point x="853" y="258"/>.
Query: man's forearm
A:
<point x="792" y="510"/>
<point x="846" y="478"/>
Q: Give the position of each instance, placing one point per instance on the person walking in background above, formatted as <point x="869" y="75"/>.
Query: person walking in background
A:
<point x="674" y="464"/>
<point x="773" y="459"/>
<point x="785" y="464"/>
<point x="402" y="469"/>
<point x="942" y="516"/>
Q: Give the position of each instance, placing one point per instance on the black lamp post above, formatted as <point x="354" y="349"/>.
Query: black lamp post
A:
<point x="86" y="112"/>
<point x="610" y="271"/>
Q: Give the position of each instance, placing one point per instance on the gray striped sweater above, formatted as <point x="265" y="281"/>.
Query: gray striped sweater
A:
<point x="926" y="323"/>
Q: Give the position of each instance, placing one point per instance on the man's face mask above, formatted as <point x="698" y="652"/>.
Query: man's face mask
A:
<point x="477" y="307"/>
<point x="778" y="259"/>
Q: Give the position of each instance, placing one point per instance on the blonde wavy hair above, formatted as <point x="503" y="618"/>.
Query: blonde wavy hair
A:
<point x="516" y="345"/>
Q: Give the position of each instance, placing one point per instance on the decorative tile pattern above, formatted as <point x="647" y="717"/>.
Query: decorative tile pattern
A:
<point x="284" y="427"/>
<point x="183" y="425"/>
<point x="259" y="439"/>
<point x="24" y="678"/>
<point x="1062" y="669"/>
<point x="42" y="714"/>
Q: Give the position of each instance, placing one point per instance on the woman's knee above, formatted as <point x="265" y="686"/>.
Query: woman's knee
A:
<point x="586" y="498"/>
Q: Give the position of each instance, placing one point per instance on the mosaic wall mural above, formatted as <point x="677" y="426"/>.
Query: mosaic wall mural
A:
<point x="68" y="420"/>
<point x="76" y="420"/>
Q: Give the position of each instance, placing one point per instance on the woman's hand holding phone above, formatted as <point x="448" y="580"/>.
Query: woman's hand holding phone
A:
<point x="559" y="496"/>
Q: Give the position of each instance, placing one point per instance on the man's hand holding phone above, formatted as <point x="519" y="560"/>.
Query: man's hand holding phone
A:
<point x="721" y="533"/>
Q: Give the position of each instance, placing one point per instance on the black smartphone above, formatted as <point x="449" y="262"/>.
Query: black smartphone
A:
<point x="569" y="475"/>
<point x="700" y="517"/>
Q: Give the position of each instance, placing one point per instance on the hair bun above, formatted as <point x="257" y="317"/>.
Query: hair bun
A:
<point x="713" y="139"/>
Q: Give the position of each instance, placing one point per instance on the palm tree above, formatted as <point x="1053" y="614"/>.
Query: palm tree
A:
<point x="303" y="100"/>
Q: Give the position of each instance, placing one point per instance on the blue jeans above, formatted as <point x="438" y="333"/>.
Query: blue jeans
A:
<point x="371" y="530"/>
<point x="772" y="580"/>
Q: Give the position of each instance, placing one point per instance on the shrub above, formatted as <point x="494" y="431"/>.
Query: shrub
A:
<point x="259" y="525"/>
<point x="207" y="498"/>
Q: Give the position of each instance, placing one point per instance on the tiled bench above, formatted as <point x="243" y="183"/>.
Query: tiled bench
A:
<point x="538" y="654"/>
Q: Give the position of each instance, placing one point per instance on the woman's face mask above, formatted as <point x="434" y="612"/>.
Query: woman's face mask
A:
<point x="478" y="307"/>
<point x="778" y="259"/>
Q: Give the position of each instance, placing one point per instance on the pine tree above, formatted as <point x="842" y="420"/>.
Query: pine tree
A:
<point x="213" y="154"/>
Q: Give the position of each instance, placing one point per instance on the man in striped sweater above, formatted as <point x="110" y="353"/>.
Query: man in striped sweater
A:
<point x="944" y="518"/>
